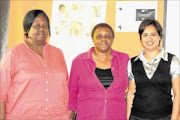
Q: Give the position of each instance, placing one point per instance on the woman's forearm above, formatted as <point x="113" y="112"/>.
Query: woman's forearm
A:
<point x="176" y="101"/>
<point x="129" y="102"/>
<point x="2" y="110"/>
<point x="130" y="97"/>
<point x="176" y="108"/>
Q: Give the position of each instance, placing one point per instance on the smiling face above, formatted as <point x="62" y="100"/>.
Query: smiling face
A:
<point x="39" y="30"/>
<point x="103" y="39"/>
<point x="150" y="38"/>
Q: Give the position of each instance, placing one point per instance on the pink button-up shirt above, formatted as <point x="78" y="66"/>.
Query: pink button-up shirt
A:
<point x="89" y="97"/>
<point x="34" y="88"/>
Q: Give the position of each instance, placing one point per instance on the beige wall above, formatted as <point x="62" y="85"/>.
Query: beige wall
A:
<point x="124" y="41"/>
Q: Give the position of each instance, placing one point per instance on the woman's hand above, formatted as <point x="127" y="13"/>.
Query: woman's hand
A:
<point x="72" y="115"/>
<point x="2" y="110"/>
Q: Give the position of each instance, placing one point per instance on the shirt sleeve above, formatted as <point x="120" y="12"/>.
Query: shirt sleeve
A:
<point x="129" y="70"/>
<point x="7" y="70"/>
<point x="73" y="87"/>
<point x="175" y="67"/>
<point x="67" y="78"/>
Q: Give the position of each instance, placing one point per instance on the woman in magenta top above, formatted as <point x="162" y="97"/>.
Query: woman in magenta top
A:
<point x="33" y="76"/>
<point x="98" y="79"/>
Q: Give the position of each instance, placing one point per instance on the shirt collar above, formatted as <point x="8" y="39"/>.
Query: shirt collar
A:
<point x="163" y="54"/>
<point x="44" y="47"/>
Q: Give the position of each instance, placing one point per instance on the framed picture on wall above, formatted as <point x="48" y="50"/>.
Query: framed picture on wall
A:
<point x="129" y="14"/>
<point x="142" y="14"/>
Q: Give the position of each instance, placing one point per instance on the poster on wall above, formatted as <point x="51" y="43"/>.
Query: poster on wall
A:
<point x="129" y="14"/>
<point x="71" y="25"/>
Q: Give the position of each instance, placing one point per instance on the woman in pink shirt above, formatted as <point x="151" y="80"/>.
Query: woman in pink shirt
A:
<point x="98" y="79"/>
<point x="33" y="75"/>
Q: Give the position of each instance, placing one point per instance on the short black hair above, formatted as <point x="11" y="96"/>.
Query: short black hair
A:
<point x="148" y="22"/>
<point x="30" y="17"/>
<point x="101" y="25"/>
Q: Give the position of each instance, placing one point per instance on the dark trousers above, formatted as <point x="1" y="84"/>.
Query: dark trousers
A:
<point x="137" y="118"/>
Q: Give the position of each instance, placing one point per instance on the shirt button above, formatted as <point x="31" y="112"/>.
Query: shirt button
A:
<point x="46" y="72"/>
<point x="46" y="89"/>
<point x="105" y="101"/>
<point x="44" y="65"/>
<point x="46" y="81"/>
<point x="46" y="108"/>
<point x="46" y="99"/>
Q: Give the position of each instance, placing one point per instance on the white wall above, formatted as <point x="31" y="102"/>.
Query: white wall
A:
<point x="172" y="42"/>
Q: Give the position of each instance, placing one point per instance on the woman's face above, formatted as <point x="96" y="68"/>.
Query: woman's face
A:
<point x="39" y="30"/>
<point x="150" y="38"/>
<point x="103" y="39"/>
